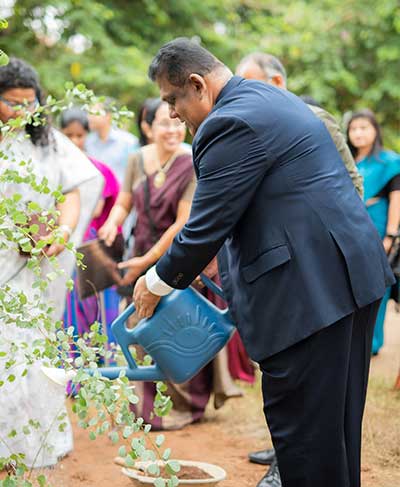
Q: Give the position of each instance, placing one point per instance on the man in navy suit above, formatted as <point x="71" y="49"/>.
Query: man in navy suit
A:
<point x="301" y="264"/>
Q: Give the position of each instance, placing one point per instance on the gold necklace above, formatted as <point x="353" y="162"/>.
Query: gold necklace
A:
<point x="161" y="175"/>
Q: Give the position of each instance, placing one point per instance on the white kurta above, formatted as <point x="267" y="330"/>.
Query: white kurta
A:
<point x="34" y="396"/>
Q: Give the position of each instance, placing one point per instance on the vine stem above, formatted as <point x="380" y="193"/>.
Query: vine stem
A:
<point x="44" y="441"/>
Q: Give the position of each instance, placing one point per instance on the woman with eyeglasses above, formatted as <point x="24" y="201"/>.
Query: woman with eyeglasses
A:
<point x="31" y="396"/>
<point x="159" y="183"/>
<point x="380" y="169"/>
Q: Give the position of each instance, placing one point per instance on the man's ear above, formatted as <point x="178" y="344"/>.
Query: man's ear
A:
<point x="279" y="81"/>
<point x="198" y="83"/>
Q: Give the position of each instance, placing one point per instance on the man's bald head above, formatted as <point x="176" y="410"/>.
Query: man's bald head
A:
<point x="263" y="67"/>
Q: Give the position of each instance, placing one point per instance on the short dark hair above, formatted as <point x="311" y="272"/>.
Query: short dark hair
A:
<point x="147" y="113"/>
<point x="177" y="59"/>
<point x="19" y="74"/>
<point x="74" y="114"/>
<point x="268" y="63"/>
<point x="370" y="116"/>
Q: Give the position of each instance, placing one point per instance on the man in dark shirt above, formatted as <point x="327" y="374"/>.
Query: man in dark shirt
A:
<point x="276" y="203"/>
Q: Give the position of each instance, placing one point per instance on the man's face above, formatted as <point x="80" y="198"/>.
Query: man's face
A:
<point x="190" y="103"/>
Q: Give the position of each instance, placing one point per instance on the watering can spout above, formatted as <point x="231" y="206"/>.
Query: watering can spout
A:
<point x="142" y="373"/>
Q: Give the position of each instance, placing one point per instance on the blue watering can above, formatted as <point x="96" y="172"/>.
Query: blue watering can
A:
<point x="185" y="332"/>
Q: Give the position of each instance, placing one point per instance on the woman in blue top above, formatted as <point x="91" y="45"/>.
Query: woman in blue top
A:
<point x="381" y="171"/>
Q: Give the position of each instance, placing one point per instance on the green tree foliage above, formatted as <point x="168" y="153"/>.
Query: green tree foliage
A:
<point x="344" y="53"/>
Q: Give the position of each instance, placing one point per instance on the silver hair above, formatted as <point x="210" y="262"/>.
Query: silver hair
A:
<point x="268" y="63"/>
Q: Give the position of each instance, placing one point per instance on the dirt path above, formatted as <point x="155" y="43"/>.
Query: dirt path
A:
<point x="226" y="436"/>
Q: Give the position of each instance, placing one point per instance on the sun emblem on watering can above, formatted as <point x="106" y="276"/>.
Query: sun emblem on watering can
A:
<point x="189" y="332"/>
<point x="193" y="331"/>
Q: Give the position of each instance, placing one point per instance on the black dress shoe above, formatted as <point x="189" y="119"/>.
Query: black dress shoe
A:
<point x="272" y="478"/>
<point x="263" y="457"/>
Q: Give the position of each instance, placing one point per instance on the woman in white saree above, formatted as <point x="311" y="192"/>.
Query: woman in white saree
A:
<point x="51" y="155"/>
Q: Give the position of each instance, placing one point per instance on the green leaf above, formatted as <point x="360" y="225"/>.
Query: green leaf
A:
<point x="160" y="440"/>
<point x="161" y="387"/>
<point x="11" y="378"/>
<point x="153" y="469"/>
<point x="19" y="218"/>
<point x="41" y="480"/>
<point x="122" y="451"/>
<point x="9" y="482"/>
<point x="92" y="435"/>
<point x="4" y="59"/>
<point x="130" y="462"/>
<point x="114" y="437"/>
<point x="12" y="433"/>
<point x="172" y="466"/>
<point x="166" y="454"/>
<point x="173" y="481"/>
<point x="33" y="206"/>
<point x="159" y="483"/>
<point x="128" y="430"/>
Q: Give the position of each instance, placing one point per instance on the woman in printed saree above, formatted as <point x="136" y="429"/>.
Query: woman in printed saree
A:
<point x="31" y="396"/>
<point x="380" y="169"/>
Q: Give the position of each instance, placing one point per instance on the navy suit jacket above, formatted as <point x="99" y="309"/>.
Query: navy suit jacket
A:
<point x="297" y="249"/>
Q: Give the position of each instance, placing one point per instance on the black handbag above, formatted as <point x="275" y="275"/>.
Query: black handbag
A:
<point x="394" y="261"/>
<point x="100" y="262"/>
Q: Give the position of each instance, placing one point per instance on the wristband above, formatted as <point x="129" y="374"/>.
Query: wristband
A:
<point x="65" y="229"/>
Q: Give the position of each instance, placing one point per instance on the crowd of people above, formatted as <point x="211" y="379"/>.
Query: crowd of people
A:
<point x="142" y="188"/>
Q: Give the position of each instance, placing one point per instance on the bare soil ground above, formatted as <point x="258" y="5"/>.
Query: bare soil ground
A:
<point x="226" y="436"/>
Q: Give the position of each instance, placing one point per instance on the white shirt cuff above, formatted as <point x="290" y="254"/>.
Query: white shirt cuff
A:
<point x="156" y="285"/>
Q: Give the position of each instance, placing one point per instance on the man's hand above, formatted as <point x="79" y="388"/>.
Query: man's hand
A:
<point x="145" y="302"/>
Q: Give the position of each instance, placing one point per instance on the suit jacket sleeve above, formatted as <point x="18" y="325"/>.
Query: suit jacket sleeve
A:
<point x="230" y="162"/>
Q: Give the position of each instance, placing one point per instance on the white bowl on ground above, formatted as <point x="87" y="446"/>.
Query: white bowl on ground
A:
<point x="216" y="473"/>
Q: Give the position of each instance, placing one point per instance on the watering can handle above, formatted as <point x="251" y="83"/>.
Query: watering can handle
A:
<point x="123" y="335"/>
<point x="212" y="286"/>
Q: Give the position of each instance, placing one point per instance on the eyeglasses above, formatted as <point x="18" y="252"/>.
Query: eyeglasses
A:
<point x="16" y="105"/>
<point x="173" y="124"/>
